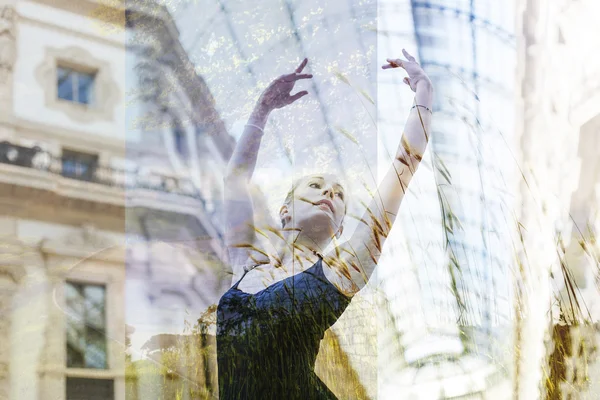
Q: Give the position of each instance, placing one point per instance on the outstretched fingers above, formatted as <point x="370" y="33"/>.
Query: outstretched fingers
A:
<point x="302" y="65"/>
<point x="298" y="95"/>
<point x="398" y="62"/>
<point x="408" y="56"/>
<point x="302" y="76"/>
<point x="393" y="63"/>
<point x="295" y="76"/>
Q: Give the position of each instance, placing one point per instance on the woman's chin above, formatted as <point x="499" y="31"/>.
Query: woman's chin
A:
<point x="317" y="226"/>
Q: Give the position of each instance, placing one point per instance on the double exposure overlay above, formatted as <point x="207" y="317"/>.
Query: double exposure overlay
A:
<point x="317" y="199"/>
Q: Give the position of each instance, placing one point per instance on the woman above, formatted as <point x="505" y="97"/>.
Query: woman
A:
<point x="285" y="293"/>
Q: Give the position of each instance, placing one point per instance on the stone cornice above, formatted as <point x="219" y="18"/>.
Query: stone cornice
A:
<point x="47" y="133"/>
<point x="149" y="9"/>
<point x="88" y="8"/>
<point x="113" y="255"/>
<point x="72" y="32"/>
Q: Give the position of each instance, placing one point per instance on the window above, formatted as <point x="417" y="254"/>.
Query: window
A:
<point x="79" y="85"/>
<point x="90" y="389"/>
<point x="86" y="326"/>
<point x="423" y="17"/>
<point x="79" y="165"/>
<point x="180" y="141"/>
<point x="75" y="86"/>
<point x="432" y="40"/>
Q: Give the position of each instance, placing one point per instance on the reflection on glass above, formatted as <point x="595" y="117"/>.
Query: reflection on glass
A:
<point x="75" y="86"/>
<point x="65" y="84"/>
<point x="85" y="88"/>
<point x="86" y="326"/>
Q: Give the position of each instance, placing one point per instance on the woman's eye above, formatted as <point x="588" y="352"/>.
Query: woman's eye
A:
<point x="315" y="185"/>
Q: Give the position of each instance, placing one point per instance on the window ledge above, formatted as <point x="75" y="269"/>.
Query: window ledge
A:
<point x="82" y="372"/>
<point x="94" y="373"/>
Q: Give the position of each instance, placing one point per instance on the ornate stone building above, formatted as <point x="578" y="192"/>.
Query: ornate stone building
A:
<point x="558" y="150"/>
<point x="110" y="154"/>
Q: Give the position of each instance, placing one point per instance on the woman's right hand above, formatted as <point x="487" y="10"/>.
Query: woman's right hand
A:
<point x="277" y="94"/>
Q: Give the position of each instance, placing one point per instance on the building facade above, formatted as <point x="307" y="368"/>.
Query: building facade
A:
<point x="110" y="157"/>
<point x="558" y="149"/>
<point x="111" y="152"/>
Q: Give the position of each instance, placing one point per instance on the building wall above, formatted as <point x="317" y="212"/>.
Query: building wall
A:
<point x="560" y="102"/>
<point x="46" y="33"/>
<point x="55" y="228"/>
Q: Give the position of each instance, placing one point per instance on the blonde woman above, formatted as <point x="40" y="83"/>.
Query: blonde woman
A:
<point x="285" y="294"/>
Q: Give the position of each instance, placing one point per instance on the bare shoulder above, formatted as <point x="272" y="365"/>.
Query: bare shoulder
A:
<point x="246" y="256"/>
<point x="335" y="275"/>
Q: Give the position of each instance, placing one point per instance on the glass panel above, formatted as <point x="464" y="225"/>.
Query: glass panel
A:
<point x="81" y="169"/>
<point x="86" y="321"/>
<point x="75" y="325"/>
<point x="79" y="165"/>
<point x="75" y="346"/>
<point x="64" y="83"/>
<point x="85" y="83"/>
<point x="95" y="352"/>
<point x="68" y="167"/>
<point x="94" y="296"/>
<point x="74" y="299"/>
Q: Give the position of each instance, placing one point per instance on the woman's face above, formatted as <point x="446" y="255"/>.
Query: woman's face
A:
<point x="318" y="204"/>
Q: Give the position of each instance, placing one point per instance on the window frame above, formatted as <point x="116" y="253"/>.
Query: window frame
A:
<point x="106" y="94"/>
<point x="76" y="72"/>
<point x="106" y="367"/>
<point x="79" y="157"/>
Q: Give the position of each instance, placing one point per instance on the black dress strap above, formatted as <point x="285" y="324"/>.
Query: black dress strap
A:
<point x="246" y="270"/>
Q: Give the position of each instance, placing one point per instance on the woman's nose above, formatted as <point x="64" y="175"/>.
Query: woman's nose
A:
<point x="328" y="192"/>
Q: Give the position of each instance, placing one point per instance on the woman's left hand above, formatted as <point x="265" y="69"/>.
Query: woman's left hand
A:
<point x="416" y="75"/>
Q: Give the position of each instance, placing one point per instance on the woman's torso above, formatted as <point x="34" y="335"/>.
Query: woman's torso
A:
<point x="268" y="340"/>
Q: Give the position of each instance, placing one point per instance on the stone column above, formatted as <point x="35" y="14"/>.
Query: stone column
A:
<point x="5" y="320"/>
<point x="11" y="272"/>
<point x="8" y="52"/>
<point x="52" y="358"/>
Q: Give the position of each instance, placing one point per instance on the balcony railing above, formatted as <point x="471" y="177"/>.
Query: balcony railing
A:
<point x="38" y="159"/>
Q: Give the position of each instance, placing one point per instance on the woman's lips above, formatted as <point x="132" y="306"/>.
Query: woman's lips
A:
<point x="327" y="203"/>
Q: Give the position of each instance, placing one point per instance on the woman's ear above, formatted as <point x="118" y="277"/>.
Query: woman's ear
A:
<point x="284" y="215"/>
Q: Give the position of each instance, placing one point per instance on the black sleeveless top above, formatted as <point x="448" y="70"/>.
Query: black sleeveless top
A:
<point x="267" y="342"/>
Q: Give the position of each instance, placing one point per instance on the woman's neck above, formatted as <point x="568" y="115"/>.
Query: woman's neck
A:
<point x="298" y="247"/>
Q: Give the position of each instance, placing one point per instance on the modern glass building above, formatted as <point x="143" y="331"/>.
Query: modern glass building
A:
<point x="445" y="302"/>
<point x="448" y="278"/>
<point x="468" y="48"/>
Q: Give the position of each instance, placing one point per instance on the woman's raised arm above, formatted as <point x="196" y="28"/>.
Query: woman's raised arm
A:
<point x="356" y="259"/>
<point x="239" y="213"/>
